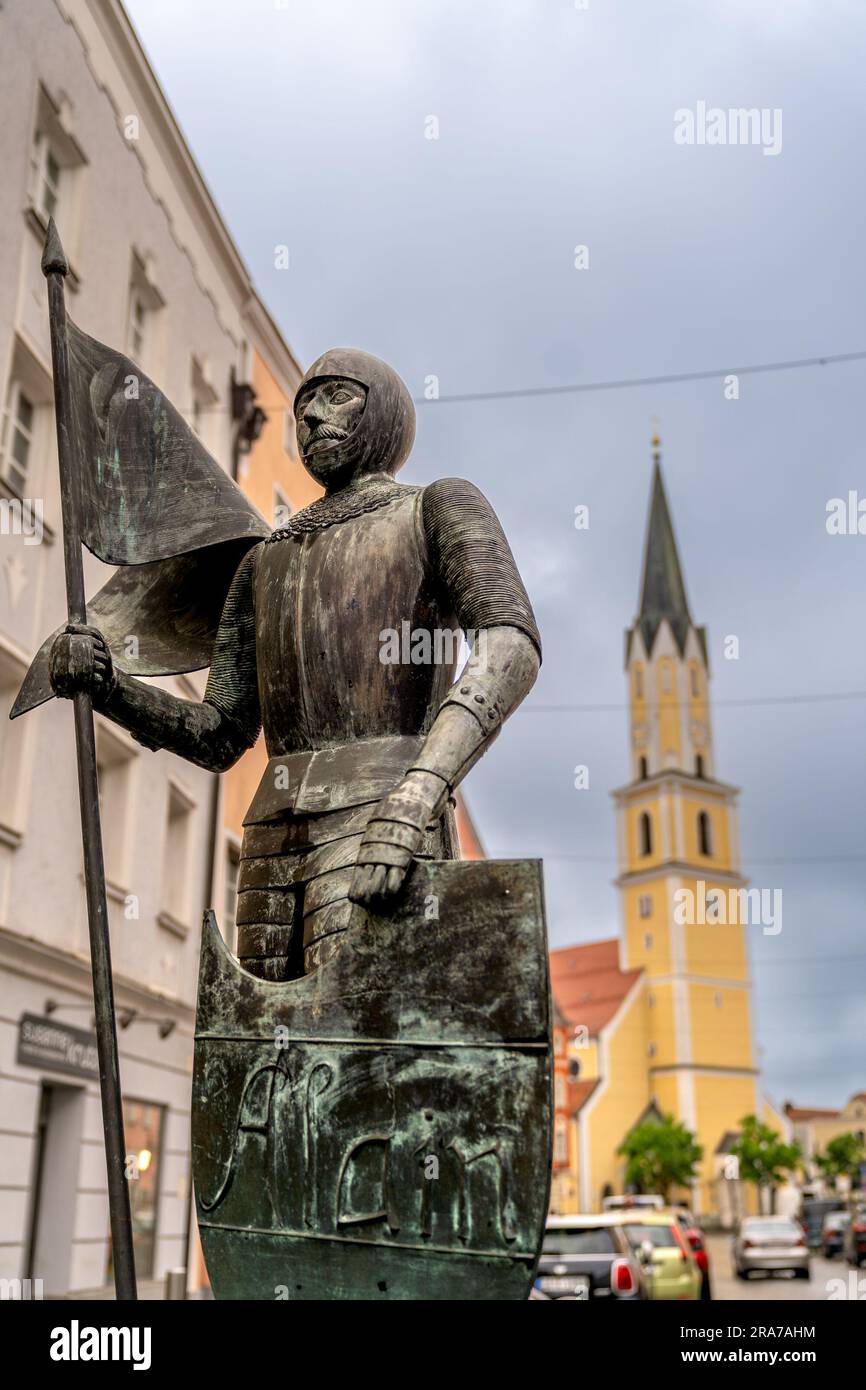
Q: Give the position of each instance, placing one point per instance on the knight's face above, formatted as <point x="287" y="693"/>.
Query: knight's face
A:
<point x="327" y="413"/>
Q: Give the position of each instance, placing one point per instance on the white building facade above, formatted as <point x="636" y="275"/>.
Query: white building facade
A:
<point x="86" y="136"/>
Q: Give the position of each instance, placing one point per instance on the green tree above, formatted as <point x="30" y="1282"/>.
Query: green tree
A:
<point x="765" y="1158"/>
<point x="660" y="1154"/>
<point x="842" y="1157"/>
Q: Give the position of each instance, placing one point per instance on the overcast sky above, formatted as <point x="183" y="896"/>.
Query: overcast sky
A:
<point x="455" y="257"/>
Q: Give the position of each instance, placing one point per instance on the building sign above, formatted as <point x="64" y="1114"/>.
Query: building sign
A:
<point x="45" y="1044"/>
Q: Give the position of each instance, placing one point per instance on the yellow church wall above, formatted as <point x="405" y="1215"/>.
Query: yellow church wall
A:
<point x="657" y="955"/>
<point x="720" y="836"/>
<point x="721" y="1026"/>
<point x="669" y="712"/>
<point x="663" y="1091"/>
<point x="661" y="1024"/>
<point x="720" y="1104"/>
<point x="619" y="1103"/>
<point x="712" y="948"/>
<point x="697" y="688"/>
<point x="586" y="1055"/>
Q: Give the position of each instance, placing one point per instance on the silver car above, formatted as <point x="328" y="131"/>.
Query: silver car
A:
<point x="770" y="1243"/>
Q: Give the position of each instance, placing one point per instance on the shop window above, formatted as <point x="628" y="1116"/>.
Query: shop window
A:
<point x="143" y="1130"/>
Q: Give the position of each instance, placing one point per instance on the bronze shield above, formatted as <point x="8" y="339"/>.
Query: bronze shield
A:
<point x="381" y="1129"/>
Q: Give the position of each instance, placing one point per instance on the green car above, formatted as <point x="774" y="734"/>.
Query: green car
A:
<point x="662" y="1249"/>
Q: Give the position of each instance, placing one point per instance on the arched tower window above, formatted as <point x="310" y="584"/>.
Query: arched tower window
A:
<point x="646" y="834"/>
<point x="695" y="681"/>
<point x="705" y="833"/>
<point x="638" y="682"/>
<point x="643" y="769"/>
<point x="699" y="764"/>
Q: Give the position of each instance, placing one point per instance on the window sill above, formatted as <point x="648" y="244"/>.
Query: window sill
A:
<point x="173" y="924"/>
<point x="39" y="227"/>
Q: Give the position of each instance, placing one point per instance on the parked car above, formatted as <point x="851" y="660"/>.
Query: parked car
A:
<point x="588" y="1257"/>
<point x="855" y="1237"/>
<point x="770" y="1243"/>
<point x="812" y="1214"/>
<point x="833" y="1230"/>
<point x="641" y="1201"/>
<point x="698" y="1244"/>
<point x="659" y="1243"/>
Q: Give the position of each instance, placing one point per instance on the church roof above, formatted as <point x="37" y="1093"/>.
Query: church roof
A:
<point x="587" y="983"/>
<point x="663" y="589"/>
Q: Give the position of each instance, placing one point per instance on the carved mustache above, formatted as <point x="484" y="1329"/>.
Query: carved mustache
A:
<point x="325" y="431"/>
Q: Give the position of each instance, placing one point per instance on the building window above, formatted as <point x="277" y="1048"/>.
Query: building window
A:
<point x="638" y="683"/>
<point x="705" y="834"/>
<point x="651" y="1049"/>
<point x="46" y="176"/>
<point x="145" y="303"/>
<point x="12" y="672"/>
<point x="55" y="160"/>
<point x="648" y="941"/>
<point x="699" y="765"/>
<point x="646" y="833"/>
<point x="203" y="399"/>
<point x="666" y="677"/>
<point x="645" y="905"/>
<point x="175" y="867"/>
<point x="643" y="769"/>
<point x="695" y="681"/>
<point x="17" y="438"/>
<point x="230" y="902"/>
<point x="573" y="1068"/>
<point x="114" y="771"/>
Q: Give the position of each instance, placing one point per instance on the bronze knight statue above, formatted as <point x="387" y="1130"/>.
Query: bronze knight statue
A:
<point x="365" y="752"/>
<point x="371" y="1102"/>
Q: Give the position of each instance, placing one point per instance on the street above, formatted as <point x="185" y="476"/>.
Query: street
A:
<point x="828" y="1278"/>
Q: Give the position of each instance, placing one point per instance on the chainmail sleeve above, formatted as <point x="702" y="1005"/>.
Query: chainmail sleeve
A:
<point x="232" y="685"/>
<point x="472" y="559"/>
<point x="215" y="731"/>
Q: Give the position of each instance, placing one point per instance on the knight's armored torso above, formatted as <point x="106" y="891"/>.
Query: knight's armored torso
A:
<point x="340" y="612"/>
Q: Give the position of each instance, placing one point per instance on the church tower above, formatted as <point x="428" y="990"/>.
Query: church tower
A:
<point x="679" y="844"/>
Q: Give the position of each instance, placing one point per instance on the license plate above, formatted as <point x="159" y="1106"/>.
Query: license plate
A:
<point x="577" y="1284"/>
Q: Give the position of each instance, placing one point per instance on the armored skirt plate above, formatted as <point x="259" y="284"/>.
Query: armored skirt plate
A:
<point x="381" y="1129"/>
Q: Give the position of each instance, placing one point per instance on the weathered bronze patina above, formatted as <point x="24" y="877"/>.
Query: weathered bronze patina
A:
<point x="379" y="1129"/>
<point x="339" y="636"/>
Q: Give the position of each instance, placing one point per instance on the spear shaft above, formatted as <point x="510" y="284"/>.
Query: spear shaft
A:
<point x="55" y="269"/>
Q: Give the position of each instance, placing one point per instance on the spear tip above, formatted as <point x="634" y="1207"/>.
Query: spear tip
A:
<point x="53" y="257"/>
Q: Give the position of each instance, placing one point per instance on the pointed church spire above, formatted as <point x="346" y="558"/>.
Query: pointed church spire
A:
<point x="663" y="591"/>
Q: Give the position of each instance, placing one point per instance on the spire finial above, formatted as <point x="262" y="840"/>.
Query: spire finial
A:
<point x="656" y="440"/>
<point x="53" y="257"/>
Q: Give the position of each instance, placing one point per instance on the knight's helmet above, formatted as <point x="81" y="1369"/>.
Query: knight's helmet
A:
<point x="383" y="437"/>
